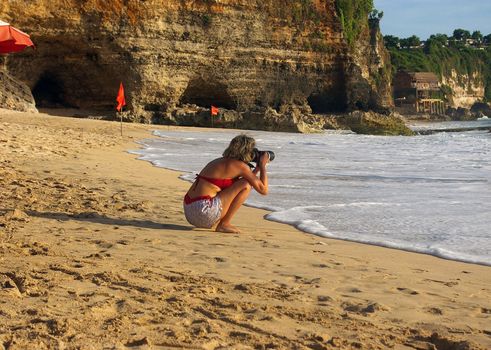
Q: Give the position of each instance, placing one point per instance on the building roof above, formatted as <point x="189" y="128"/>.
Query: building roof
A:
<point x="423" y="77"/>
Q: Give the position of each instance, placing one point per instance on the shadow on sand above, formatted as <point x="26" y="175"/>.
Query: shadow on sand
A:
<point x="104" y="220"/>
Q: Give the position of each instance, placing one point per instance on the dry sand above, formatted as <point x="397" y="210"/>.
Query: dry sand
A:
<point x="95" y="253"/>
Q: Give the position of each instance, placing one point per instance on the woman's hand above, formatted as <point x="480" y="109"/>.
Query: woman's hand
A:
<point x="259" y="184"/>
<point x="264" y="160"/>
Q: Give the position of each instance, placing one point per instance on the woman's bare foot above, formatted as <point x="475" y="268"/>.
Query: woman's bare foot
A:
<point x="227" y="228"/>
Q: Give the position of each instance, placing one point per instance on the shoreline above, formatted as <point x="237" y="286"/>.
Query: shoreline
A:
<point x="380" y="245"/>
<point x="105" y="257"/>
<point x="297" y="225"/>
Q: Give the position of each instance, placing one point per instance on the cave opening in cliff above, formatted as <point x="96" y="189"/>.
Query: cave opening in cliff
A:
<point x="327" y="101"/>
<point x="49" y="92"/>
<point x="207" y="92"/>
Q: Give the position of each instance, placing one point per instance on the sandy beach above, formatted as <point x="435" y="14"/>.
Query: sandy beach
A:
<point x="95" y="253"/>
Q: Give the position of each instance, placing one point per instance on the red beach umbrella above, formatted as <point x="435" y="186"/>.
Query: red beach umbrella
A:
<point x="12" y="39"/>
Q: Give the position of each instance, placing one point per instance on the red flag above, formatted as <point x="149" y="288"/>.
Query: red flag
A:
<point x="214" y="110"/>
<point x="120" y="99"/>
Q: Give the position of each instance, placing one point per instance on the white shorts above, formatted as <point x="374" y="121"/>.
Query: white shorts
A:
<point x="203" y="213"/>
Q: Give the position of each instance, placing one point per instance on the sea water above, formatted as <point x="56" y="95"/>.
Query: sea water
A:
<point x="429" y="194"/>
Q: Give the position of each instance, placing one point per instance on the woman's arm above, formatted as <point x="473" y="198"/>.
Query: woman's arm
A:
<point x="259" y="184"/>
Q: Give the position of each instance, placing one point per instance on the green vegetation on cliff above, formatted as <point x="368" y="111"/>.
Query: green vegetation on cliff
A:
<point x="295" y="12"/>
<point x="305" y="10"/>
<point x="442" y="60"/>
<point x="354" y="17"/>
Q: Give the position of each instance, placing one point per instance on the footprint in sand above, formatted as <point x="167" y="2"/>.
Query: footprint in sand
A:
<point x="103" y="244"/>
<point x="10" y="286"/>
<point x="348" y="290"/>
<point x="434" y="311"/>
<point x="101" y="255"/>
<point x="364" y="309"/>
<point x="334" y="262"/>
<point x="324" y="299"/>
<point x="448" y="284"/>
<point x="321" y="266"/>
<point x="407" y="291"/>
<point x="486" y="311"/>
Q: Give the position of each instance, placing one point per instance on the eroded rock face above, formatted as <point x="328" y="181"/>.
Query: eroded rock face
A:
<point x="14" y="94"/>
<point x="257" y="56"/>
<point x="466" y="89"/>
<point x="368" y="78"/>
<point x="289" y="119"/>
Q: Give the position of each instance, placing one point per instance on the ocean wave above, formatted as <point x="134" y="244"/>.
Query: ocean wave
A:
<point x="364" y="204"/>
<point x="372" y="177"/>
<point x="313" y="227"/>
<point x="307" y="143"/>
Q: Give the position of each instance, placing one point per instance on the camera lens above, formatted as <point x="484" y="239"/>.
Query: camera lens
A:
<point x="258" y="154"/>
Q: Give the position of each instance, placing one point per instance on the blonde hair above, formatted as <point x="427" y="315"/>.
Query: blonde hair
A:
<point x="241" y="148"/>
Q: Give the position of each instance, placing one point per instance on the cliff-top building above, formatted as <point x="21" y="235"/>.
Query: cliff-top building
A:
<point x="418" y="92"/>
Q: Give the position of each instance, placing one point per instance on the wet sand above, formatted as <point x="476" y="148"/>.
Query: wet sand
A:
<point x="95" y="253"/>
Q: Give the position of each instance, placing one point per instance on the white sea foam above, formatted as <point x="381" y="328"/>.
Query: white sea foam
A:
<point x="479" y="123"/>
<point x="428" y="194"/>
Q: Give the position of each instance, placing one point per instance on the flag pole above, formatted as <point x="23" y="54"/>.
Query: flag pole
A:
<point x="121" y="116"/>
<point x="121" y="103"/>
<point x="213" y="112"/>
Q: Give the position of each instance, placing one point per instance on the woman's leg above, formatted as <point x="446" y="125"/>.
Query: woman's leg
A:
<point x="232" y="198"/>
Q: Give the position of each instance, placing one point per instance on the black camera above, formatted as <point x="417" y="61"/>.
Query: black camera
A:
<point x="257" y="155"/>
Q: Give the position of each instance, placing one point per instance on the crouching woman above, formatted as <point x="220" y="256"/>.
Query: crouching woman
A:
<point x="224" y="184"/>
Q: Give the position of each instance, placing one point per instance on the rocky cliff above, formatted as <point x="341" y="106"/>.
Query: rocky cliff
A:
<point x="14" y="94"/>
<point x="464" y="89"/>
<point x="251" y="56"/>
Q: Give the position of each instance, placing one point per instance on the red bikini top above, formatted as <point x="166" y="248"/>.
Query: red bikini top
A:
<point x="222" y="183"/>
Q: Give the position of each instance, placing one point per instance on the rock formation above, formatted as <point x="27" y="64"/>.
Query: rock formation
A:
<point x="368" y="83"/>
<point x="466" y="89"/>
<point x="14" y="94"/>
<point x="258" y="57"/>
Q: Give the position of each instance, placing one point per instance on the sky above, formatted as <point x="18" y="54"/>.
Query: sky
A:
<point x="403" y="18"/>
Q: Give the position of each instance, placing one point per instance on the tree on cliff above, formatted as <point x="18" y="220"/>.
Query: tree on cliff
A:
<point x="461" y="34"/>
<point x="374" y="17"/>
<point x="441" y="39"/>
<point x="392" y="41"/>
<point x="435" y="42"/>
<point x="411" y="42"/>
<point x="477" y="36"/>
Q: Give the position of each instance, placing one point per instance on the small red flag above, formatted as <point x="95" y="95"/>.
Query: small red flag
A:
<point x="214" y="110"/>
<point x="120" y="99"/>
